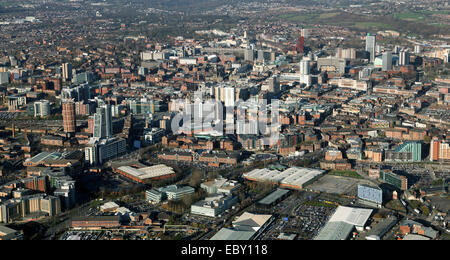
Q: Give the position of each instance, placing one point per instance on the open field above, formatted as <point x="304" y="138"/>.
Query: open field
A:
<point x="410" y="16"/>
<point x="407" y="22"/>
<point x="373" y="25"/>
<point x="420" y="16"/>
<point x="298" y="17"/>
<point x="328" y="15"/>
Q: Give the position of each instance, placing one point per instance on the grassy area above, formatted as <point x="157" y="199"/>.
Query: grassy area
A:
<point x="308" y="18"/>
<point x="351" y="174"/>
<point x="445" y="236"/>
<point x="423" y="16"/>
<point x="395" y="205"/>
<point x="407" y="22"/>
<point x="328" y="15"/>
<point x="298" y="17"/>
<point x="420" y="206"/>
<point x="436" y="12"/>
<point x="438" y="183"/>
<point x="319" y="204"/>
<point x="410" y="16"/>
<point x="373" y="25"/>
<point x="96" y="203"/>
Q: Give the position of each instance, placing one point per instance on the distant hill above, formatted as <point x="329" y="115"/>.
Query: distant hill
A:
<point x="196" y="5"/>
<point x="186" y="5"/>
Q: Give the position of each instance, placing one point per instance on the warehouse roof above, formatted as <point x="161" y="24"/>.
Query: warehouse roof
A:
<point x="148" y="172"/>
<point x="300" y="176"/>
<point x="274" y="196"/>
<point x="44" y="156"/>
<point x="415" y="237"/>
<point x="295" y="176"/>
<point x="231" y="234"/>
<point x="353" y="216"/>
<point x="342" y="222"/>
<point x="176" y="189"/>
<point x="335" y="231"/>
<point x="251" y="221"/>
<point x="4" y="231"/>
<point x="262" y="174"/>
<point x="221" y="184"/>
<point x="109" y="206"/>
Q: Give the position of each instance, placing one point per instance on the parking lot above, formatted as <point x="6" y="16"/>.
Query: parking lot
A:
<point x="302" y="214"/>
<point x="107" y="235"/>
<point x="6" y="116"/>
<point x="310" y="219"/>
<point x="80" y="235"/>
<point x="337" y="185"/>
<point x="306" y="221"/>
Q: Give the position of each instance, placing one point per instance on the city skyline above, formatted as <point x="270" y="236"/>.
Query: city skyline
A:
<point x="224" y="120"/>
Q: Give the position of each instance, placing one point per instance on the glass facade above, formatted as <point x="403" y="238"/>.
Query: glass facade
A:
<point x="372" y="194"/>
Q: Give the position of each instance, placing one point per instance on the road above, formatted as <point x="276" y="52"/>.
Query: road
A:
<point x="64" y="220"/>
<point x="232" y="216"/>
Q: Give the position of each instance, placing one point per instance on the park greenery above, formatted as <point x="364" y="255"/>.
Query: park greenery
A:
<point x="351" y="174"/>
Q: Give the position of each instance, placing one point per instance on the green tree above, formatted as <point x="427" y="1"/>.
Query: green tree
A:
<point x="196" y="178"/>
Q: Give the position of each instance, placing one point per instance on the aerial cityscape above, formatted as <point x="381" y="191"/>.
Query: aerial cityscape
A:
<point x="228" y="120"/>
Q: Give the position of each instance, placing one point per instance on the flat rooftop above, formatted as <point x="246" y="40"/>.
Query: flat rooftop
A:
<point x="342" y="223"/>
<point x="231" y="234"/>
<point x="295" y="176"/>
<point x="45" y="156"/>
<point x="335" y="231"/>
<point x="353" y="216"/>
<point x="251" y="221"/>
<point x="274" y="196"/>
<point x="4" y="231"/>
<point x="148" y="172"/>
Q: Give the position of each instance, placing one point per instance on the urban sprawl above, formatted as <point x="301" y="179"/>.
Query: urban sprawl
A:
<point x="263" y="120"/>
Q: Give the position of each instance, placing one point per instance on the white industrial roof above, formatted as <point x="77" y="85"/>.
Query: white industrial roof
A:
<point x="109" y="205"/>
<point x="123" y="211"/>
<point x="254" y="221"/>
<point x="231" y="234"/>
<point x="286" y="173"/>
<point x="335" y="231"/>
<point x="261" y="174"/>
<point x="300" y="176"/>
<point x="353" y="216"/>
<point x="74" y="237"/>
<point x="148" y="172"/>
<point x="293" y="176"/>
<point x="415" y="237"/>
<point x="343" y="222"/>
<point x="6" y="230"/>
